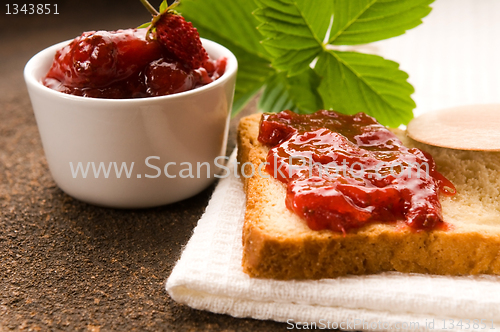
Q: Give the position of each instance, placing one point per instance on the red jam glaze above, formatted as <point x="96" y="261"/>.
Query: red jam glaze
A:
<point x="123" y="64"/>
<point x="340" y="175"/>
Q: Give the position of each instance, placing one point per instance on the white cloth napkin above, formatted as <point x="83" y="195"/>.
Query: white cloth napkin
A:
<point x="209" y="276"/>
<point x="452" y="60"/>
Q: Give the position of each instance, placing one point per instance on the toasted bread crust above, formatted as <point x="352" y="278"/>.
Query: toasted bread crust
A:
<point x="277" y="244"/>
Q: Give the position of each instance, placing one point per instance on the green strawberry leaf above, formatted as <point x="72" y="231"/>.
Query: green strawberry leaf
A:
<point x="303" y="89"/>
<point x="275" y="97"/>
<point x="297" y="93"/>
<point x="366" y="21"/>
<point x="145" y="25"/>
<point x="238" y="33"/>
<point x="253" y="71"/>
<point x="236" y="22"/>
<point x="252" y="75"/>
<point x="294" y="31"/>
<point x="356" y="82"/>
<point x="163" y="6"/>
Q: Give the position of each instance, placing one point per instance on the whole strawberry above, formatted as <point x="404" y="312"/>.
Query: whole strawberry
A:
<point x="178" y="36"/>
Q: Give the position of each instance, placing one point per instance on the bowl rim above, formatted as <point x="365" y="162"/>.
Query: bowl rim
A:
<point x="40" y="57"/>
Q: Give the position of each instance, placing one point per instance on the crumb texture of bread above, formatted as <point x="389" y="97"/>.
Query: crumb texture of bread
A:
<point x="278" y="244"/>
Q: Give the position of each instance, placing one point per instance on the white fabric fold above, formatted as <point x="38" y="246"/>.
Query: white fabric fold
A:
<point x="208" y="276"/>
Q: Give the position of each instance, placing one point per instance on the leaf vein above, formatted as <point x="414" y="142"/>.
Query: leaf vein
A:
<point x="361" y="78"/>
<point x="341" y="31"/>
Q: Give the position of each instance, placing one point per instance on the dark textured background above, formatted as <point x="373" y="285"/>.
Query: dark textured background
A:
<point x="66" y="265"/>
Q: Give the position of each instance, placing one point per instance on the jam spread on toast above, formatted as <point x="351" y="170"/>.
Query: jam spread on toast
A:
<point x="345" y="171"/>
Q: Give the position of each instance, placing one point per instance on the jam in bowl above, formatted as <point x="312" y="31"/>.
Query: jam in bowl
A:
<point x="133" y="152"/>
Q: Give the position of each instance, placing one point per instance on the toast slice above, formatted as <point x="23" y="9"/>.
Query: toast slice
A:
<point x="278" y="244"/>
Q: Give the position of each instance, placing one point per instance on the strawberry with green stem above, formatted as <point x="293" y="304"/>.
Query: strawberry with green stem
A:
<point x="134" y="63"/>
<point x="178" y="36"/>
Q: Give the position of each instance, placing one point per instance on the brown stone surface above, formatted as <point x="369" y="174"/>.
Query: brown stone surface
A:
<point x="66" y="265"/>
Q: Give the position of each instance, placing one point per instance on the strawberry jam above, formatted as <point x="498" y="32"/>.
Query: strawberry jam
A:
<point x="124" y="64"/>
<point x="343" y="172"/>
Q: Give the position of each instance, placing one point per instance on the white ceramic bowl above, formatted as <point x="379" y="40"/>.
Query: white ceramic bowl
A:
<point x="175" y="131"/>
